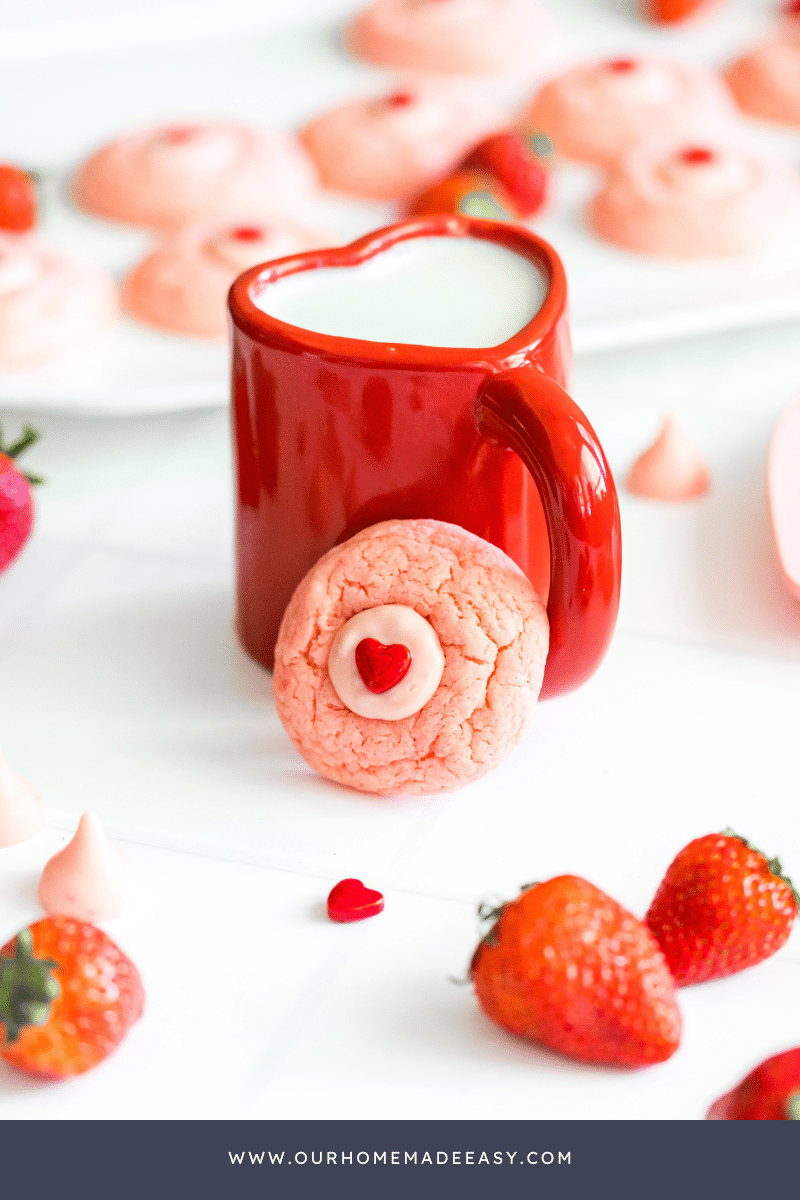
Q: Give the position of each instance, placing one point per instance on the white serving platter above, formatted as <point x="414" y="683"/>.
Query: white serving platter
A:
<point x="61" y="94"/>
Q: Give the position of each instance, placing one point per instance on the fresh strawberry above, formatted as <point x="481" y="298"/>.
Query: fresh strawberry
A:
<point x="769" y="1093"/>
<point x="468" y="193"/>
<point x="722" y="906"/>
<point x="16" y="499"/>
<point x="17" y="200"/>
<point x="506" y="157"/>
<point x="567" y="966"/>
<point x="68" y="996"/>
<point x="675" y="10"/>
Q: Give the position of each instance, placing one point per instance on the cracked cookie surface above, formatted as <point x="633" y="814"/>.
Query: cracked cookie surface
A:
<point x="493" y="630"/>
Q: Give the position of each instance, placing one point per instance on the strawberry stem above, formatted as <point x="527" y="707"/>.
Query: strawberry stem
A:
<point x="793" y="1107"/>
<point x="774" y="865"/>
<point x="27" y="438"/>
<point x="27" y="988"/>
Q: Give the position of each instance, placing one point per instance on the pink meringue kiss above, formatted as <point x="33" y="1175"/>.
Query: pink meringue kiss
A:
<point x="597" y="112"/>
<point x="766" y="82"/>
<point x="218" y="171"/>
<point x="51" y="304"/>
<point x="22" y="812"/>
<point x="183" y="285"/>
<point x="90" y="879"/>
<point x="393" y="147"/>
<point x="698" y="200"/>
<point x="783" y="494"/>
<point x="671" y="469"/>
<point x="453" y="36"/>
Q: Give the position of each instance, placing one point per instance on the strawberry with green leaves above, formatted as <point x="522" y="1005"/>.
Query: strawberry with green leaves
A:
<point x="721" y="907"/>
<point x="565" y="966"/>
<point x="16" y="498"/>
<point x="769" y="1093"/>
<point x="68" y="996"/>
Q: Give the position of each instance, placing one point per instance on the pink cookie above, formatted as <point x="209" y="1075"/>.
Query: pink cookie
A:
<point x="766" y="82"/>
<point x="714" y="199"/>
<point x="458" y="36"/>
<point x="597" y="112"/>
<point x="51" y="304"/>
<point x="452" y="590"/>
<point x="183" y="285"/>
<point x="393" y="147"/>
<point x="167" y="177"/>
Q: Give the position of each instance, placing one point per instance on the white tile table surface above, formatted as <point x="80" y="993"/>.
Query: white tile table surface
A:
<point x="121" y="690"/>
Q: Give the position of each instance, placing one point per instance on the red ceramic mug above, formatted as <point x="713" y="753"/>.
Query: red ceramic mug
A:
<point x="333" y="434"/>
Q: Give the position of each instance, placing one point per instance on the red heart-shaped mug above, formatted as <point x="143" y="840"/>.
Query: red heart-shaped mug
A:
<point x="335" y="432"/>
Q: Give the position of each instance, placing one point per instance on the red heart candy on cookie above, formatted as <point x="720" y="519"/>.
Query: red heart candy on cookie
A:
<point x="349" y="900"/>
<point x="381" y="667"/>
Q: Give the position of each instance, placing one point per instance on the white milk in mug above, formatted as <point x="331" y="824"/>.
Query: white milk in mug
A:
<point x="426" y="291"/>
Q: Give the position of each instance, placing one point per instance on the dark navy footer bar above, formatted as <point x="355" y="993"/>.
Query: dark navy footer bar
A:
<point x="584" y="1160"/>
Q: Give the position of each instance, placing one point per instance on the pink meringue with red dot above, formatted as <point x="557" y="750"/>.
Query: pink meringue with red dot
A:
<point x="696" y="201"/>
<point x="90" y="879"/>
<point x="22" y="812"/>
<point x="392" y="147"/>
<point x="453" y="36"/>
<point x="51" y="304"/>
<point x="183" y="285"/>
<point x="216" y="171"/>
<point x="596" y="112"/>
<point x="766" y="81"/>
<point x="671" y="469"/>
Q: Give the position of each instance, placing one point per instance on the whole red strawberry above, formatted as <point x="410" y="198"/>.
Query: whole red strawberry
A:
<point x="769" y="1093"/>
<point x="68" y="996"/>
<point x="17" y="200"/>
<point x="506" y="157"/>
<point x="722" y="906"/>
<point x="16" y="498"/>
<point x="566" y="966"/>
<point x="468" y="193"/>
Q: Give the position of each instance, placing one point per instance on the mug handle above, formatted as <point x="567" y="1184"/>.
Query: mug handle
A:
<point x="526" y="411"/>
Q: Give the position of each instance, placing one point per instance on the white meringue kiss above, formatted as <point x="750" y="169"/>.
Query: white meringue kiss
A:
<point x="90" y="879"/>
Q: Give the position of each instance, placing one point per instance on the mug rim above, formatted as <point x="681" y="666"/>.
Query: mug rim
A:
<point x="262" y="327"/>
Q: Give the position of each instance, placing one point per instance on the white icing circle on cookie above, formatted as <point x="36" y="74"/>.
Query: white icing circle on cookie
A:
<point x="389" y="624"/>
<point x="639" y="82"/>
<point x="18" y="269"/>
<point x="724" y="173"/>
<point x="196" y="149"/>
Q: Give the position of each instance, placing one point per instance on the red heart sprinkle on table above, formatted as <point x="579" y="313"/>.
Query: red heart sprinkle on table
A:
<point x="382" y="667"/>
<point x="697" y="156"/>
<point x="620" y="65"/>
<point x="349" y="900"/>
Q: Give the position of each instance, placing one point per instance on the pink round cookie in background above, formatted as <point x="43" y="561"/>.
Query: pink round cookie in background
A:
<point x="182" y="286"/>
<point x="172" y="175"/>
<point x="766" y="81"/>
<point x="453" y="36"/>
<point x="493" y="632"/>
<point x="695" y="201"/>
<point x="52" y="305"/>
<point x="783" y="495"/>
<point x="394" y="146"/>
<point x="595" y="113"/>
